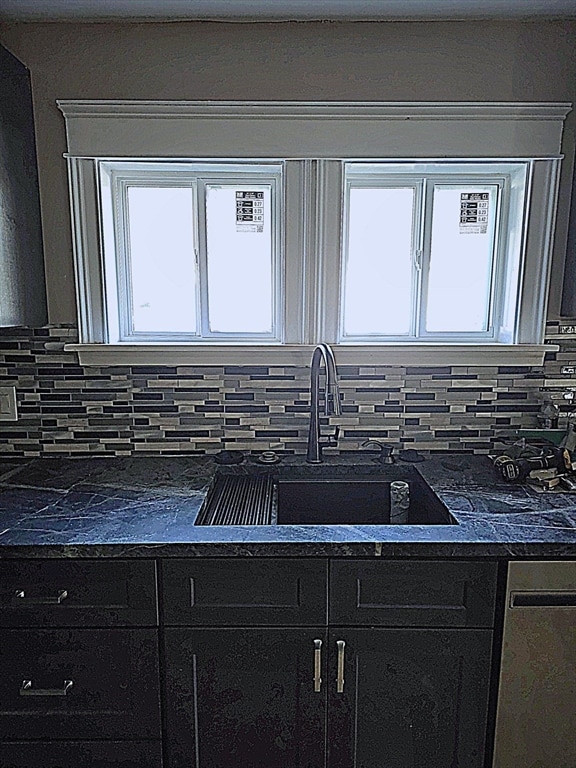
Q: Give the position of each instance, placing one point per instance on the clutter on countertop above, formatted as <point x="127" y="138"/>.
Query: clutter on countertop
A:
<point x="540" y="463"/>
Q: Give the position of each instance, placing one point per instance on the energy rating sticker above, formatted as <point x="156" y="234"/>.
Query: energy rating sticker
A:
<point x="474" y="208"/>
<point x="250" y="211"/>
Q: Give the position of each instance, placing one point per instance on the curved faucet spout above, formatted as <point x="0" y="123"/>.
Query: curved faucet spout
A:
<point x="322" y="354"/>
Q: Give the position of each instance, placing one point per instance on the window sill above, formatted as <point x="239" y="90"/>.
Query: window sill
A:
<point x="299" y="355"/>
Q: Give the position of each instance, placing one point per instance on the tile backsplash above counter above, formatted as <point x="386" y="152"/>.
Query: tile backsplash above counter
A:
<point x="67" y="409"/>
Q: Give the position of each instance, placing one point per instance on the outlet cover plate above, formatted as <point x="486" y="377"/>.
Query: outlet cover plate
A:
<point x="8" y="407"/>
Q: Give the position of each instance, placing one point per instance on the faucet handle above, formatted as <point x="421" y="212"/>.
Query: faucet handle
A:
<point x="331" y="441"/>
<point x="386" y="451"/>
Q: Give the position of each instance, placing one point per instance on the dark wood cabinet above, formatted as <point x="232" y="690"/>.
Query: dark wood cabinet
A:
<point x="239" y="651"/>
<point x="413" y="593"/>
<point x="244" y="592"/>
<point x="286" y="662"/>
<point x="90" y="754"/>
<point x="72" y="593"/>
<point x="79" y="664"/>
<point x="409" y="698"/>
<point x="243" y="697"/>
<point x="402" y="698"/>
<point x="79" y="684"/>
<point x="355" y="689"/>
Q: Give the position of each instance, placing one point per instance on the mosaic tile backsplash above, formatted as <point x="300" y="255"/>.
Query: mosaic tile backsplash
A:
<point x="67" y="409"/>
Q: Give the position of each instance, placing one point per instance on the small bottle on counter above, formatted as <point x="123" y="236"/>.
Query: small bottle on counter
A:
<point x="399" y="502"/>
<point x="548" y="415"/>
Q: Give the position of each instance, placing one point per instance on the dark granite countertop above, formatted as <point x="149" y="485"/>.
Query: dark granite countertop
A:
<point x="146" y="507"/>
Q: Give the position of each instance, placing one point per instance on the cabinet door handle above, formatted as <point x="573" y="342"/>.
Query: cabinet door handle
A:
<point x="26" y="689"/>
<point x="341" y="645"/>
<point x="19" y="598"/>
<point x="317" y="665"/>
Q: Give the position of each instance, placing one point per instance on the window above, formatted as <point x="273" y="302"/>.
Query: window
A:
<point x="427" y="251"/>
<point x="191" y="251"/>
<point x="274" y="226"/>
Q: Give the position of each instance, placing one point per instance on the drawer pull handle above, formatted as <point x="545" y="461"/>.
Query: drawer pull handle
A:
<point x="20" y="598"/>
<point x="341" y="645"/>
<point x="537" y="599"/>
<point x="27" y="690"/>
<point x="317" y="665"/>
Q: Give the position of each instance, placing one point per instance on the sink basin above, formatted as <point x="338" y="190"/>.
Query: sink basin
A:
<point x="342" y="500"/>
<point x="353" y="502"/>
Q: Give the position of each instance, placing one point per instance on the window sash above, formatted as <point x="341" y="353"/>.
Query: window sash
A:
<point x="385" y="182"/>
<point x="124" y="260"/>
<point x="512" y="182"/>
<point x="117" y="177"/>
<point x="496" y="285"/>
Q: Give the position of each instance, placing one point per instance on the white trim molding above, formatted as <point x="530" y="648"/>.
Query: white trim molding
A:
<point x="312" y="139"/>
<point x="299" y="354"/>
<point x="181" y="129"/>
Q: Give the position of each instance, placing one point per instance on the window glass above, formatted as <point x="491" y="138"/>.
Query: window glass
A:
<point x="379" y="264"/>
<point x="239" y="250"/>
<point x="161" y="264"/>
<point x="423" y="257"/>
<point x="461" y="259"/>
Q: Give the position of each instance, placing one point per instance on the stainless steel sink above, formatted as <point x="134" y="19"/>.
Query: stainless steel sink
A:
<point x="341" y="500"/>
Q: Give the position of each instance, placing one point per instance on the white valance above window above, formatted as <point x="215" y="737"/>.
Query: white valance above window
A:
<point x="312" y="130"/>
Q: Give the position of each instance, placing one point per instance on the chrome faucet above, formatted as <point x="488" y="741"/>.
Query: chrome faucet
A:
<point x="331" y="402"/>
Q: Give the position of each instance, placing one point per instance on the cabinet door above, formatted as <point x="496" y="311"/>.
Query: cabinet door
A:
<point x="243" y="697"/>
<point x="410" y="699"/>
<point x="103" y="754"/>
<point x="79" y="684"/>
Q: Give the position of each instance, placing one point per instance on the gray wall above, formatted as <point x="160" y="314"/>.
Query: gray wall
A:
<point x="478" y="61"/>
<point x="22" y="291"/>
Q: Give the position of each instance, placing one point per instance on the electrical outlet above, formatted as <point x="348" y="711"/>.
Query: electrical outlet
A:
<point x="8" y="408"/>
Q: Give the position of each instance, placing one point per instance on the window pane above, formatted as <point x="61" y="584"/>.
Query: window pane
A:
<point x="162" y="264"/>
<point x="461" y="258"/>
<point x="239" y="253"/>
<point x="378" y="287"/>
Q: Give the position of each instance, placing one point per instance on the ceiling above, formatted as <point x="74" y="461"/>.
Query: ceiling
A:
<point x="279" y="10"/>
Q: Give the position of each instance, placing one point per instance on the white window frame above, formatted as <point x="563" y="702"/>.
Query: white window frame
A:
<point x="114" y="179"/>
<point x="314" y="139"/>
<point x="512" y="179"/>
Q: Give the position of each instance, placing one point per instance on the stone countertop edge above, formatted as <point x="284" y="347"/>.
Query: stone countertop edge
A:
<point x="145" y="507"/>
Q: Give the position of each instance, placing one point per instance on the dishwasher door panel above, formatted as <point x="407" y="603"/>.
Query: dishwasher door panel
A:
<point x="536" y="717"/>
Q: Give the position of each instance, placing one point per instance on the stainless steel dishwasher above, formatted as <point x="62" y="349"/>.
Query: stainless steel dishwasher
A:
<point x="536" y="716"/>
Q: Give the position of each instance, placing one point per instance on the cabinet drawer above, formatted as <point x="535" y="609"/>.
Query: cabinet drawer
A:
<point x="412" y="593"/>
<point x="244" y="591"/>
<point x="79" y="684"/>
<point x="111" y="754"/>
<point x="77" y="593"/>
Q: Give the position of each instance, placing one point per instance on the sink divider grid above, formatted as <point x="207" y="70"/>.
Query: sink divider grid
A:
<point x="238" y="501"/>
